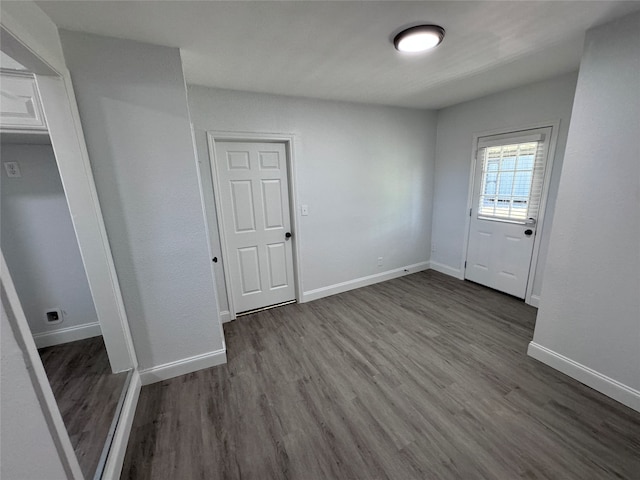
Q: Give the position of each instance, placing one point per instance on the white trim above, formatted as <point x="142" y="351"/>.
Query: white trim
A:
<point x="494" y="140"/>
<point x="551" y="152"/>
<point x="115" y="460"/>
<point x="289" y="140"/>
<point x="39" y="378"/>
<point x="534" y="301"/>
<point x="19" y="43"/>
<point x="66" y="335"/>
<point x="67" y="138"/>
<point x="182" y="367"/>
<point x="447" y="270"/>
<point x="596" y="380"/>
<point x="555" y="128"/>
<point x="364" y="281"/>
<point x="205" y="216"/>
<point x="225" y="316"/>
<point x="72" y="159"/>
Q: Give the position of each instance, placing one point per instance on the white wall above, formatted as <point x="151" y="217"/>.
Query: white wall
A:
<point x="366" y="173"/>
<point x="539" y="102"/>
<point x="28" y="449"/>
<point x="39" y="241"/>
<point x="590" y="308"/>
<point x="133" y="108"/>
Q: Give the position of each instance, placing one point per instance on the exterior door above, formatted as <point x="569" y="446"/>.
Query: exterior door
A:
<point x="254" y="197"/>
<point x="507" y="191"/>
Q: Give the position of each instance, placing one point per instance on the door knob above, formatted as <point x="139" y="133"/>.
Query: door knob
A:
<point x="287" y="235"/>
<point x="531" y="221"/>
<point x="528" y="232"/>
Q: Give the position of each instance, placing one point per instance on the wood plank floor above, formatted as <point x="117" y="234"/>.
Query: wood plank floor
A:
<point x="421" y="377"/>
<point x="87" y="394"/>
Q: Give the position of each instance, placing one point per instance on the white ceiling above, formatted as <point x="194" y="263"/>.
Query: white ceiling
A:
<point x="343" y="50"/>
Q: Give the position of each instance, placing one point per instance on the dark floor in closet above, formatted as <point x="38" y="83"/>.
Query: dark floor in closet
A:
<point x="421" y="377"/>
<point x="87" y="394"/>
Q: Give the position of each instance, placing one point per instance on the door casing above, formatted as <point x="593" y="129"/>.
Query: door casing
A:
<point x="55" y="88"/>
<point x="555" y="126"/>
<point x="288" y="140"/>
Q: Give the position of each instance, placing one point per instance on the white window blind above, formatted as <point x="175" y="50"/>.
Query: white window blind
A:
<point x="512" y="177"/>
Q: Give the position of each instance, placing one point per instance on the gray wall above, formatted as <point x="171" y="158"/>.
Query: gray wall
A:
<point x="28" y="449"/>
<point x="539" y="102"/>
<point x="590" y="308"/>
<point x="39" y="242"/>
<point x="366" y="173"/>
<point x="133" y="108"/>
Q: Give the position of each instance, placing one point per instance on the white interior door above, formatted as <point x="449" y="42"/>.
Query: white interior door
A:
<point x="254" y="197"/>
<point x="507" y="191"/>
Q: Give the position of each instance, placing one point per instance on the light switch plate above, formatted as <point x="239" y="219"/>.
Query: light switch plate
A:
<point x="13" y="169"/>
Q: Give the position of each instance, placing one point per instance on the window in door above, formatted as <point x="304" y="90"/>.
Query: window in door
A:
<point x="512" y="177"/>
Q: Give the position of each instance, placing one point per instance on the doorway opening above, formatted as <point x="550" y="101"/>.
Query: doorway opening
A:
<point x="508" y="192"/>
<point x="253" y="180"/>
<point x="58" y="279"/>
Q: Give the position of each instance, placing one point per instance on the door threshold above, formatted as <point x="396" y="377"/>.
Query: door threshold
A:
<point x="261" y="309"/>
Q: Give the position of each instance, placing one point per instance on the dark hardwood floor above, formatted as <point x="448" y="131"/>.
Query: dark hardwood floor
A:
<point x="87" y="394"/>
<point x="422" y="377"/>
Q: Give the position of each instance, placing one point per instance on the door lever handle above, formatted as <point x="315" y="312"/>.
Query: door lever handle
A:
<point x="531" y="221"/>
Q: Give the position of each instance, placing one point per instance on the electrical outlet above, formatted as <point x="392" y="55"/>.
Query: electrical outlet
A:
<point x="13" y="169"/>
<point x="53" y="316"/>
<point x="380" y="261"/>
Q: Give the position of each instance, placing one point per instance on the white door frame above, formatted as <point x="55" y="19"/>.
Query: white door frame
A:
<point x="55" y="88"/>
<point x="555" y="126"/>
<point x="289" y="141"/>
<point x="67" y="138"/>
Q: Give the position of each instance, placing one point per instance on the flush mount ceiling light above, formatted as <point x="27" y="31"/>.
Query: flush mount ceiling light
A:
<point x="419" y="38"/>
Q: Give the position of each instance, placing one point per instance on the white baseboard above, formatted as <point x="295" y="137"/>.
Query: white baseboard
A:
<point x="66" y="335"/>
<point x="596" y="380"/>
<point x="115" y="460"/>
<point x="447" y="270"/>
<point x="225" y="316"/>
<point x="182" y="367"/>
<point x="534" y="301"/>
<point x="363" y="281"/>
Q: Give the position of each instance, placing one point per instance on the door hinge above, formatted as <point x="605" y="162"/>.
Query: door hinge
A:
<point x="465" y="264"/>
<point x="470" y="210"/>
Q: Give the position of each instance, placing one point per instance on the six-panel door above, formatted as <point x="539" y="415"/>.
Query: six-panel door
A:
<point x="254" y="196"/>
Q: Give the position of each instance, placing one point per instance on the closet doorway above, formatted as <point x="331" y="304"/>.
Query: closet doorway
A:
<point x="59" y="286"/>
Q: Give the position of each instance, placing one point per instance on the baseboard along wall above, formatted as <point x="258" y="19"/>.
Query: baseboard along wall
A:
<point x="183" y="366"/>
<point x="363" y="281"/>
<point x="66" y="335"/>
<point x="535" y="301"/>
<point x="611" y="388"/>
<point x="447" y="270"/>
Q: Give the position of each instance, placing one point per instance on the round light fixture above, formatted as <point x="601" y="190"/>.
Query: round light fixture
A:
<point x="419" y="38"/>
